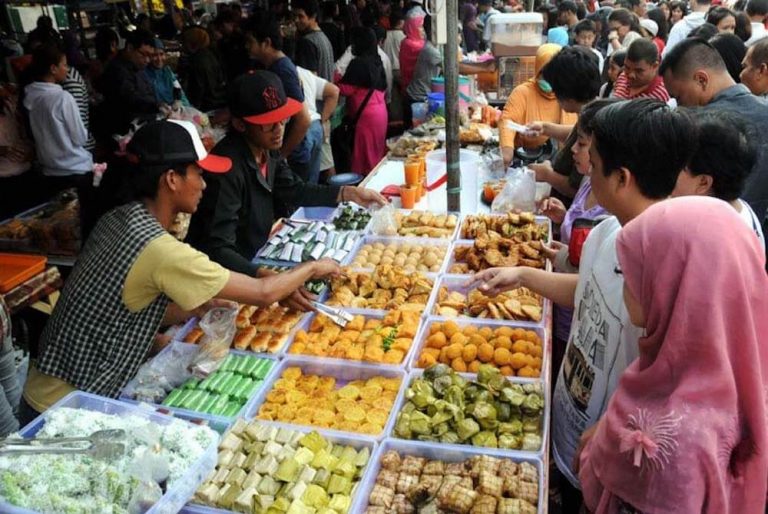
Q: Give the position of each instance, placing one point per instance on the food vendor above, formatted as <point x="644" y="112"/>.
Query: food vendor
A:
<point x="133" y="277"/>
<point x="529" y="102"/>
<point x="238" y="208"/>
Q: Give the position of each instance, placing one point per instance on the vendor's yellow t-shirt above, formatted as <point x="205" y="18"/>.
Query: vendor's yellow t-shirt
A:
<point x="166" y="265"/>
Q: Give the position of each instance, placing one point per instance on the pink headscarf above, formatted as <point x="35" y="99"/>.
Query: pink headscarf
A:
<point x="685" y="430"/>
<point x="410" y="47"/>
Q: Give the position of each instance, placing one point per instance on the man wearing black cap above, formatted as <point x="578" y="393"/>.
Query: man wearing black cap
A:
<point x="237" y="211"/>
<point x="133" y="277"/>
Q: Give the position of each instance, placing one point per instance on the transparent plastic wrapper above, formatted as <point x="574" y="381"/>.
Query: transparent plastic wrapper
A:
<point x="383" y="221"/>
<point x="518" y="194"/>
<point x="158" y="377"/>
<point x="152" y="473"/>
<point x="219" y="327"/>
<point x="494" y="164"/>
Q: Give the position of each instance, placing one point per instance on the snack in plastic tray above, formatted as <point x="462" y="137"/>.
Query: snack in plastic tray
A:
<point x="361" y="406"/>
<point x="520" y="227"/>
<point x="514" y="351"/>
<point x="409" y="257"/>
<point x="442" y="406"/>
<point x="481" y="484"/>
<point x="368" y="339"/>
<point x="388" y="287"/>
<point x="225" y="391"/>
<point x="264" y="329"/>
<point x="299" y="241"/>
<point x="352" y="217"/>
<point x="155" y="455"/>
<point x="520" y="304"/>
<point x="426" y="224"/>
<point x="265" y="468"/>
<point x="487" y="253"/>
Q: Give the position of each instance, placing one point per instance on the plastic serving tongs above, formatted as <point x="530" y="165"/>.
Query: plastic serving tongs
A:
<point x="336" y="315"/>
<point x="102" y="444"/>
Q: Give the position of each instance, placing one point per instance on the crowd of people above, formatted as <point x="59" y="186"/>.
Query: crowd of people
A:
<point x="652" y="116"/>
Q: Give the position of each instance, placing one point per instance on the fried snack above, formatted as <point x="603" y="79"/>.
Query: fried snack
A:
<point x="520" y="304"/>
<point x="368" y="339"/>
<point x="346" y="408"/>
<point x="514" y="351"/>
<point x="522" y="227"/>
<point x="406" y="292"/>
<point x="264" y="329"/>
<point x="409" y="257"/>
<point x="426" y="224"/>
<point x="487" y="252"/>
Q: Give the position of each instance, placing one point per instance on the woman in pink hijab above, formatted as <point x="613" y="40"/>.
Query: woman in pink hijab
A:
<point x="410" y="47"/>
<point x="685" y="431"/>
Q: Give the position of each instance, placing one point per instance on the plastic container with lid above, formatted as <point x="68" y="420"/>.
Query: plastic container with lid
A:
<point x="469" y="162"/>
<point x="516" y="33"/>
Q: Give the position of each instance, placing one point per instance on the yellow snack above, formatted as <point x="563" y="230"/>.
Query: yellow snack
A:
<point x="355" y="414"/>
<point x="391" y="384"/>
<point x="292" y="373"/>
<point x="276" y="396"/>
<point x="349" y="392"/>
<point x="377" y="416"/>
<point x="371" y="392"/>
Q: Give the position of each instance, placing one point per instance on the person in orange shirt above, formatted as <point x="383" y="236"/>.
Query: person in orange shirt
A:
<point x="531" y="101"/>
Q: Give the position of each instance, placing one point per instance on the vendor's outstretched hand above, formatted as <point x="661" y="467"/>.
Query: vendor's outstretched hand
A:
<point x="325" y="268"/>
<point x="364" y="197"/>
<point x="494" y="281"/>
<point x="300" y="300"/>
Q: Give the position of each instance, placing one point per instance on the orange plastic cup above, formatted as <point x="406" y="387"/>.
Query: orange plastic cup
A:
<point x="420" y="191"/>
<point x="408" y="196"/>
<point x="412" y="172"/>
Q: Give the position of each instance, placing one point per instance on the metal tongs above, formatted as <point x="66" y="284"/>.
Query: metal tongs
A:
<point x="102" y="444"/>
<point x="338" y="316"/>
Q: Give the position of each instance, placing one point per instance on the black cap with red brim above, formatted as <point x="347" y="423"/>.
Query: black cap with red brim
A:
<point x="259" y="98"/>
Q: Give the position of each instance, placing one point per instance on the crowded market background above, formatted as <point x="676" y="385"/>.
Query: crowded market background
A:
<point x="585" y="335"/>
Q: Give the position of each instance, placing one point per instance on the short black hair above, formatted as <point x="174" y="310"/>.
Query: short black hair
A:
<point x="328" y="9"/>
<point x="381" y="33"/>
<point x="589" y="111"/>
<point x="139" y="38"/>
<point x="757" y="8"/>
<point x="310" y="7"/>
<point x="143" y="182"/>
<point x="732" y="49"/>
<point x="743" y="26"/>
<point x="44" y="22"/>
<point x="626" y="18"/>
<point x="662" y="22"/>
<point x="643" y="50"/>
<point x="105" y="38"/>
<point x="648" y="138"/>
<point x="718" y="14"/>
<point x="678" y="4"/>
<point x="726" y="151"/>
<point x="690" y="54"/>
<point x="759" y="52"/>
<point x="568" y="6"/>
<point x="705" y="31"/>
<point x="43" y="57"/>
<point x="395" y="17"/>
<point x="263" y="28"/>
<point x="585" y="26"/>
<point x="574" y="74"/>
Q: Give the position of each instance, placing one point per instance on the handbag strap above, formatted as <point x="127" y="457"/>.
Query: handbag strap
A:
<point x="362" y="107"/>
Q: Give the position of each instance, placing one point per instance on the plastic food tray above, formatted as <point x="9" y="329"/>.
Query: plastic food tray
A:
<point x="421" y="341"/>
<point x="344" y="372"/>
<point x="453" y="236"/>
<point x="435" y="452"/>
<point x="450" y="260"/>
<point x="501" y="452"/>
<point x="314" y="213"/>
<point x="15" y="269"/>
<point x="541" y="220"/>
<point x="355" y="441"/>
<point x="192" y="323"/>
<point x="386" y="240"/>
<point x="456" y="283"/>
<point x="369" y="314"/>
<point x="175" y="497"/>
<point x="188" y="349"/>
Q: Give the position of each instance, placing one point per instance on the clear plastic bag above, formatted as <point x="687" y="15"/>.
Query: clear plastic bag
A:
<point x="518" y="194"/>
<point x="156" y="378"/>
<point x="384" y="221"/>
<point x="219" y="327"/>
<point x="151" y="472"/>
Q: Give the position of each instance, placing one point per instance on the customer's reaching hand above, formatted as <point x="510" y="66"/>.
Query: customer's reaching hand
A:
<point x="494" y="281"/>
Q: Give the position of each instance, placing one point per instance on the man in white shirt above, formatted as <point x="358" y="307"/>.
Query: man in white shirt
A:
<point x="626" y="179"/>
<point x="486" y="11"/>
<point x="684" y="27"/>
<point x="318" y="90"/>
<point x="757" y="10"/>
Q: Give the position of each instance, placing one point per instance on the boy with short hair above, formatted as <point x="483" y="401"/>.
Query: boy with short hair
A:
<point x="626" y="179"/>
<point x="585" y="34"/>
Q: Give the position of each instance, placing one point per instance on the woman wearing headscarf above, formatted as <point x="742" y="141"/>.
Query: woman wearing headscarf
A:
<point x="363" y="79"/>
<point x="531" y="101"/>
<point x="686" y="429"/>
<point x="411" y="47"/>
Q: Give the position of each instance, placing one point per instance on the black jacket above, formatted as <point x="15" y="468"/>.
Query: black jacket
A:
<point x="237" y="211"/>
<point x="128" y="94"/>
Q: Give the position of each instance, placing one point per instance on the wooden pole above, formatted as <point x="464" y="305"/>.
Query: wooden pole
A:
<point x="452" y="106"/>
